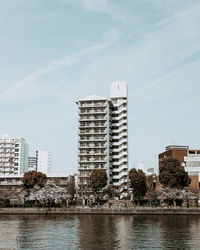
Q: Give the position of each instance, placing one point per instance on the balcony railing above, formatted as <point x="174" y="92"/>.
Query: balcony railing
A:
<point x="93" y="146"/>
<point x="94" y="125"/>
<point x="92" y="132"/>
<point x="92" y="118"/>
<point x="92" y="104"/>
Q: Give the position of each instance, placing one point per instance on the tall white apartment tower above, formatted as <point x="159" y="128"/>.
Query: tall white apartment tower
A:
<point x="93" y="137"/>
<point x="102" y="137"/>
<point x="119" y="135"/>
<point x="13" y="155"/>
<point x="44" y="161"/>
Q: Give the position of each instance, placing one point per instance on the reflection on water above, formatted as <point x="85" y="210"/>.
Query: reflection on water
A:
<point x="99" y="232"/>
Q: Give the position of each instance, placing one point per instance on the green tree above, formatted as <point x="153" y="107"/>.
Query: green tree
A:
<point x="71" y="186"/>
<point x="138" y="183"/>
<point x="151" y="188"/>
<point x="111" y="191"/>
<point x="172" y="174"/>
<point x="33" y="178"/>
<point x="98" y="179"/>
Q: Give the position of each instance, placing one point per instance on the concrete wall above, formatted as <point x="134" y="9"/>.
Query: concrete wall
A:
<point x="82" y="210"/>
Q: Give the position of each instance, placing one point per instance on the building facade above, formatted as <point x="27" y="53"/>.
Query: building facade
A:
<point x="192" y="163"/>
<point x="32" y="163"/>
<point x="44" y="161"/>
<point x="174" y="151"/>
<point x="13" y="155"/>
<point x="119" y="131"/>
<point x="190" y="160"/>
<point x="103" y="138"/>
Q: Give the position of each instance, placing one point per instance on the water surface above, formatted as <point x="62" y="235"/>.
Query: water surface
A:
<point x="99" y="232"/>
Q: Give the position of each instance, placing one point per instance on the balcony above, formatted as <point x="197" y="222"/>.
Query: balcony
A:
<point x="103" y="118"/>
<point x="92" y="111"/>
<point x="91" y="132"/>
<point x="100" y="104"/>
<point x="92" y="160"/>
<point x="93" y="146"/>
<point x="93" y="139"/>
<point x="93" y="125"/>
<point x="91" y="168"/>
<point x="92" y="153"/>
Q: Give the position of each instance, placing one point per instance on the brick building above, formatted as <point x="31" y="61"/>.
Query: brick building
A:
<point x="190" y="160"/>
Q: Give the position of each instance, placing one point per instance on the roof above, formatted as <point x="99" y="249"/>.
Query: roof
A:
<point x="92" y="98"/>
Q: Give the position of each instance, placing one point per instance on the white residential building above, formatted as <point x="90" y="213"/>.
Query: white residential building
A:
<point x="119" y="135"/>
<point x="44" y="161"/>
<point x="13" y="155"/>
<point x="102" y="136"/>
<point x="32" y="163"/>
<point x="192" y="162"/>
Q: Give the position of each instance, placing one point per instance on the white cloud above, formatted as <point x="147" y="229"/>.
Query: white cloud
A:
<point x="104" y="6"/>
<point x="28" y="87"/>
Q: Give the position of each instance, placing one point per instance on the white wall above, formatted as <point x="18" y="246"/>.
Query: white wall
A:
<point x="118" y="90"/>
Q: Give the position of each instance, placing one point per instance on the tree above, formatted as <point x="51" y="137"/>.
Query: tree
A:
<point x="33" y="178"/>
<point x="138" y="183"/>
<point x="49" y="195"/>
<point x="151" y="188"/>
<point x="176" y="195"/>
<point x="172" y="174"/>
<point x="71" y="186"/>
<point x="98" y="179"/>
<point x="111" y="192"/>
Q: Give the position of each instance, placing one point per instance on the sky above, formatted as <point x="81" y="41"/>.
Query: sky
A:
<point x="53" y="52"/>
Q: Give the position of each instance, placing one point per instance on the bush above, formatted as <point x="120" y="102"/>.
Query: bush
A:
<point x="172" y="174"/>
<point x="33" y="178"/>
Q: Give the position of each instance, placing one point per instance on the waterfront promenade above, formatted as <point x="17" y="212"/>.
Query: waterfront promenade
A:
<point x="106" y="211"/>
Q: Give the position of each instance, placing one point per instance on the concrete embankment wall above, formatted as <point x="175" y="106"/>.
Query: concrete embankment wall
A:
<point x="86" y="210"/>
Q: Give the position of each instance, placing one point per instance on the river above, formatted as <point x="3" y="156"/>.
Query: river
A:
<point x="99" y="232"/>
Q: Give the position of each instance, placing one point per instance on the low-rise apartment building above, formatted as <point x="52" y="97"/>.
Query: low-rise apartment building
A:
<point x="13" y="155"/>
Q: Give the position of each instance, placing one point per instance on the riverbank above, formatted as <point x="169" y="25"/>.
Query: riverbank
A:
<point x="106" y="211"/>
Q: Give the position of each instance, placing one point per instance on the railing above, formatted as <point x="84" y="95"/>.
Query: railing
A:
<point x="119" y="162"/>
<point x="93" y="139"/>
<point x="93" y="125"/>
<point x="123" y="140"/>
<point x="92" y="112"/>
<point x="93" y="105"/>
<point x="91" y="160"/>
<point x="120" y="135"/>
<point x="120" y="168"/>
<point x="92" y="153"/>
<point x="92" y="146"/>
<point x="92" y="118"/>
<point x="118" y="150"/>
<point x="120" y="175"/>
<point x="92" y="132"/>
<point x="118" y="156"/>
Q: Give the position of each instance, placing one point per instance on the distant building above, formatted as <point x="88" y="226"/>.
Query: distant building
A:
<point x="32" y="163"/>
<point x="44" y="161"/>
<point x="190" y="160"/>
<point x="103" y="137"/>
<point x="150" y="171"/>
<point x="174" y="151"/>
<point x="192" y="163"/>
<point x="13" y="155"/>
